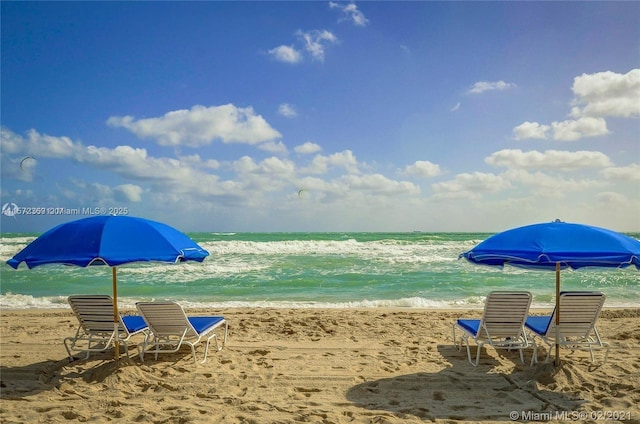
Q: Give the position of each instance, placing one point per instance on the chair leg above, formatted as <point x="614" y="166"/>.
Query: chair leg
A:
<point x="145" y="343"/>
<point x="606" y="352"/>
<point x="206" y="348"/>
<point x="534" y="357"/>
<point x="477" y="354"/>
<point x="67" y="347"/>
<point x="453" y="330"/>
<point x="456" y="345"/>
<point x="549" y="349"/>
<point x="140" y="353"/>
<point x="226" y="333"/>
<point x="469" y="352"/>
<point x="193" y="350"/>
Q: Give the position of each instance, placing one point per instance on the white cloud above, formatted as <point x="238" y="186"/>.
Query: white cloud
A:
<point x="549" y="186"/>
<point x="195" y="161"/>
<point x="519" y="182"/>
<point x="316" y="41"/>
<point x="277" y="166"/>
<point x="308" y="148"/>
<point x="253" y="180"/>
<point x="596" y="96"/>
<point x="379" y="184"/>
<point x="423" y="168"/>
<point x="201" y="126"/>
<point x="10" y="142"/>
<point x="15" y="148"/>
<point x="318" y="188"/>
<point x="320" y="163"/>
<point x="550" y="159"/>
<point x="287" y="54"/>
<point x="572" y="130"/>
<point x="245" y="165"/>
<point x="607" y="94"/>
<point x="531" y="130"/>
<point x="128" y="192"/>
<point x="456" y="107"/>
<point x="470" y="185"/>
<point x="36" y="144"/>
<point x="569" y="130"/>
<point x="135" y="163"/>
<point x="287" y="110"/>
<point x="623" y="173"/>
<point x="482" y="86"/>
<point x="351" y="13"/>
<point x="165" y="174"/>
<point x="611" y="199"/>
<point x="273" y="147"/>
<point x="269" y="166"/>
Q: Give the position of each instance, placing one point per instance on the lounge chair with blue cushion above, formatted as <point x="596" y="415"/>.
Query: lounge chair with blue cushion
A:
<point x="97" y="332"/>
<point x="170" y="328"/>
<point x="501" y="325"/>
<point x="579" y="312"/>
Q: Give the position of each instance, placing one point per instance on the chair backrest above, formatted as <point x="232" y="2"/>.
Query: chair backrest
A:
<point x="166" y="318"/>
<point x="504" y="314"/>
<point x="95" y="312"/>
<point x="579" y="312"/>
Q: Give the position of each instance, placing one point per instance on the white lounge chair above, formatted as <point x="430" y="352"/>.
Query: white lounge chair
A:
<point x="501" y="325"/>
<point x="170" y="328"/>
<point x="579" y="312"/>
<point x="96" y="332"/>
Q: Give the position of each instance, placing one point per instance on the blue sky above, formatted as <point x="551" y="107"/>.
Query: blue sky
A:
<point x="321" y="116"/>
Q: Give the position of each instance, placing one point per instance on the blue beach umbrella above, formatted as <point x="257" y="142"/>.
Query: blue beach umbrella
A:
<point x="555" y="246"/>
<point x="111" y="241"/>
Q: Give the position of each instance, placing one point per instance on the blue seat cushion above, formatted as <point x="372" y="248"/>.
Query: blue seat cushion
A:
<point x="201" y="324"/>
<point x="134" y="323"/>
<point x="538" y="325"/>
<point x="471" y="325"/>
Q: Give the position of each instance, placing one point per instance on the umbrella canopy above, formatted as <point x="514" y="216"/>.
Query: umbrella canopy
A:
<point x="557" y="245"/>
<point x="547" y="244"/>
<point x="109" y="240"/>
<point x="112" y="241"/>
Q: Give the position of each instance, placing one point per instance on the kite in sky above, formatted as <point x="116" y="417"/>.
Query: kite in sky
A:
<point x="24" y="159"/>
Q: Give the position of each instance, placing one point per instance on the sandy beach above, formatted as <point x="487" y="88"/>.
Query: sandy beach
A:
<point x="317" y="366"/>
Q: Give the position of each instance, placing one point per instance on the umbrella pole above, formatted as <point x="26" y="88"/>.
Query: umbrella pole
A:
<point x="557" y="313"/>
<point x="115" y="313"/>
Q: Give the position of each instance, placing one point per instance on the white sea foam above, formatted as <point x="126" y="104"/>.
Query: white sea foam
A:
<point x="23" y="301"/>
<point x="19" y="301"/>
<point x="384" y="250"/>
<point x="416" y="302"/>
<point x="9" y="246"/>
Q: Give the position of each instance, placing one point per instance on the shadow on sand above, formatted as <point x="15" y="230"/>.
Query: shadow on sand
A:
<point x="462" y="392"/>
<point x="16" y="382"/>
<point x="31" y="379"/>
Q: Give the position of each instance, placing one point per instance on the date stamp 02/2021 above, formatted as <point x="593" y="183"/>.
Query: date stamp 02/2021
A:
<point x="578" y="416"/>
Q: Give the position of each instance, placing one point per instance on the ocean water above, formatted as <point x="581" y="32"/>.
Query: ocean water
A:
<point x="335" y="270"/>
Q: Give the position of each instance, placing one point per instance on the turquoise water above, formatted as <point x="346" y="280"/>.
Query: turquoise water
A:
<point x="309" y="270"/>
